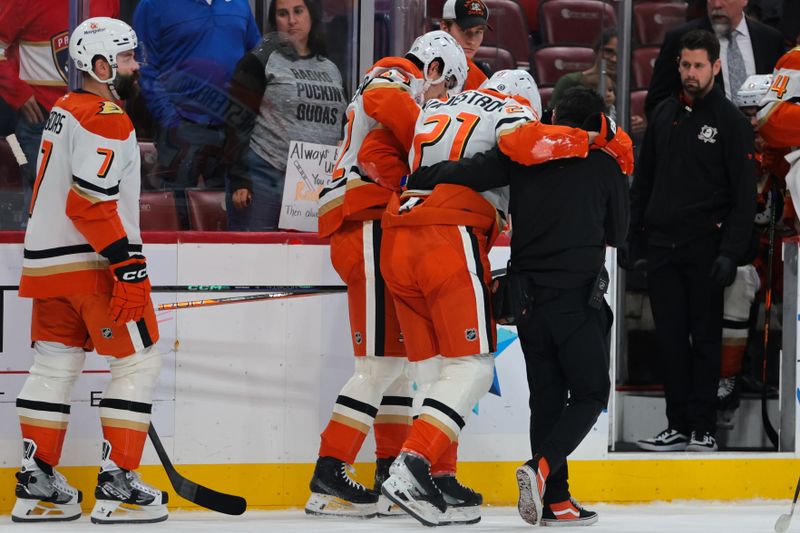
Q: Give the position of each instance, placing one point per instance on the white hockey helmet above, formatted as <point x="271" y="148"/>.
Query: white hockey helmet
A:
<point x="101" y="36"/>
<point x="516" y="82"/>
<point x="440" y="44"/>
<point x="753" y="90"/>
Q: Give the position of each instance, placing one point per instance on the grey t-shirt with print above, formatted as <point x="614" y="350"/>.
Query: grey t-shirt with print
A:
<point x="303" y="101"/>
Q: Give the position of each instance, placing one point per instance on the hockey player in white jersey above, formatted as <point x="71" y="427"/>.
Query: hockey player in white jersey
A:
<point x="435" y="262"/>
<point x="380" y="128"/>
<point x="84" y="270"/>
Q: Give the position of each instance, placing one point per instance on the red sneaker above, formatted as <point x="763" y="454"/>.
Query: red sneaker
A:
<point x="567" y="513"/>
<point x="531" y="478"/>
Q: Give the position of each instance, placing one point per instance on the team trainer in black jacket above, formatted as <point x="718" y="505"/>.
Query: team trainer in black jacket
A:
<point x="564" y="213"/>
<point x="692" y="206"/>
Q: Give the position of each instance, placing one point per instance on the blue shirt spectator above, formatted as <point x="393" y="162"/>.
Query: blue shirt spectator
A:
<point x="189" y="49"/>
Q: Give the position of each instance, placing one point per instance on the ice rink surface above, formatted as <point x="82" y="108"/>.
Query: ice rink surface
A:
<point x="685" y="517"/>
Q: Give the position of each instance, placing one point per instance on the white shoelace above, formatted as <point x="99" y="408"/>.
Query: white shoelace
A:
<point x="346" y="468"/>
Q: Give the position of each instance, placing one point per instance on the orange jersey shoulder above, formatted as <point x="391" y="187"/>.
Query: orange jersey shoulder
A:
<point x="98" y="115"/>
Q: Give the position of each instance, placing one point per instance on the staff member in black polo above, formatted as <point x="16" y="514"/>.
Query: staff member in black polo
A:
<point x="564" y="214"/>
<point x="692" y="206"/>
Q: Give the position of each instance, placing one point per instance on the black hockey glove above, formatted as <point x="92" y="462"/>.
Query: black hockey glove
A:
<point x="723" y="271"/>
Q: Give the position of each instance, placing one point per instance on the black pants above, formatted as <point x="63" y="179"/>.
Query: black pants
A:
<point x="566" y="356"/>
<point x="687" y="309"/>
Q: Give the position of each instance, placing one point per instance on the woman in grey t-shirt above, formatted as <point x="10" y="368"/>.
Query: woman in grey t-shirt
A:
<point x="283" y="90"/>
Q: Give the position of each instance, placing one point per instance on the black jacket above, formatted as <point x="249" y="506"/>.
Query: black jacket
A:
<point x="563" y="213"/>
<point x="767" y="49"/>
<point x="696" y="176"/>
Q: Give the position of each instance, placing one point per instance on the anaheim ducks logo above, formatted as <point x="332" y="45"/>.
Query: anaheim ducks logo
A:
<point x="475" y="8"/>
<point x="110" y="108"/>
<point x="708" y="134"/>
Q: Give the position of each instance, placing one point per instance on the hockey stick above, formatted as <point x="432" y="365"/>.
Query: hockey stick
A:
<point x="783" y="521"/>
<point x="768" y="427"/>
<point x="189" y="490"/>
<point x="241" y="299"/>
<point x="249" y="288"/>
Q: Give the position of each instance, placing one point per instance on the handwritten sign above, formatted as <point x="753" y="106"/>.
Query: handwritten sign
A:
<point x="308" y="171"/>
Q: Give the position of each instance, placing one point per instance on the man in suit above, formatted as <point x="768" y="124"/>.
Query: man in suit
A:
<point x="747" y="47"/>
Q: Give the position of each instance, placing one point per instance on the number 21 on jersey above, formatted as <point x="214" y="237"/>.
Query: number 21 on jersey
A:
<point x="441" y="123"/>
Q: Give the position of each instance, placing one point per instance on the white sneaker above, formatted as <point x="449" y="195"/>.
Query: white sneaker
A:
<point x="43" y="494"/>
<point x="702" y="442"/>
<point x="668" y="440"/>
<point x="124" y="498"/>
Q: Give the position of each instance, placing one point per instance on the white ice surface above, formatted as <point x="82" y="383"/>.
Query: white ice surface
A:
<point x="687" y="517"/>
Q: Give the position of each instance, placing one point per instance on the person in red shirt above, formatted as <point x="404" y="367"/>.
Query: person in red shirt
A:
<point x="34" y="41"/>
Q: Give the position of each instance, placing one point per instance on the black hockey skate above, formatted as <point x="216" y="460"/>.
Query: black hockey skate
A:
<point x="411" y="486"/>
<point x="335" y="494"/>
<point x="463" y="503"/>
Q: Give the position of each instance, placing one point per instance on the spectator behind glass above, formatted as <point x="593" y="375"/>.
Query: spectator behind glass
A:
<point x="286" y="89"/>
<point x="605" y="49"/>
<point x="754" y="49"/>
<point x="188" y="49"/>
<point x="34" y="41"/>
<point x="467" y="22"/>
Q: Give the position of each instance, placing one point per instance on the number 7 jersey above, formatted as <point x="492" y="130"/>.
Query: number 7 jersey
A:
<point x="86" y="197"/>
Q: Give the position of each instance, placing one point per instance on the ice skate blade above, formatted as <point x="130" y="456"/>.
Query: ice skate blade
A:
<point x="387" y="509"/>
<point x="332" y="507"/>
<point x="470" y="514"/>
<point x="529" y="504"/>
<point x="116" y="512"/>
<point x="32" y="510"/>
<point x="399" y="492"/>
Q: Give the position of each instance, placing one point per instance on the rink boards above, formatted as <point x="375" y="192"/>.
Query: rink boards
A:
<point x="247" y="388"/>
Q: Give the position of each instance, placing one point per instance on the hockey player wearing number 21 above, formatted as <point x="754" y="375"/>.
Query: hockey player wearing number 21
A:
<point x="435" y="262"/>
<point x="379" y="133"/>
<point x="84" y="270"/>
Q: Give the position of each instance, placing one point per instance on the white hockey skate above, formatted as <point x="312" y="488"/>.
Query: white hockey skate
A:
<point x="411" y="486"/>
<point x="122" y="498"/>
<point x="386" y="508"/>
<point x="43" y="494"/>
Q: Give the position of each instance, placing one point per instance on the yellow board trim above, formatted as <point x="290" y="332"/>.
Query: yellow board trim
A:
<point x="280" y="486"/>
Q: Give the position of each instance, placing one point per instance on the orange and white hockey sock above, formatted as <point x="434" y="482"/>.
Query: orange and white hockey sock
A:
<point x="739" y="299"/>
<point x="429" y="439"/>
<point x="393" y="422"/>
<point x="357" y="406"/>
<point x="43" y="403"/>
<point x="446" y="464"/>
<point x="46" y="425"/>
<point x="734" y="342"/>
<point x="125" y="428"/>
<point x="342" y="438"/>
<point x="126" y="406"/>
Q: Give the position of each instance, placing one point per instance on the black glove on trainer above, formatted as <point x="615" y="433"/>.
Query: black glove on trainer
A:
<point x="723" y="271"/>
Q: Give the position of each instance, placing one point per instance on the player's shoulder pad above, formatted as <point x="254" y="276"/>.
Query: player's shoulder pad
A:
<point x="98" y="115"/>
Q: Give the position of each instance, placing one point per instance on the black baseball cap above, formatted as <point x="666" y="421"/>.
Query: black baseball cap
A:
<point x="466" y="13"/>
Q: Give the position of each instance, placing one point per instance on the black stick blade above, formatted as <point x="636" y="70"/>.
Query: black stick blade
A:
<point x="191" y="491"/>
